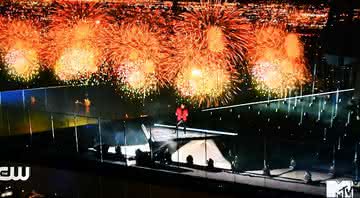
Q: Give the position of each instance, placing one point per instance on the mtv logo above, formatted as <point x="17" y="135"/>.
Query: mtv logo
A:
<point x="339" y="189"/>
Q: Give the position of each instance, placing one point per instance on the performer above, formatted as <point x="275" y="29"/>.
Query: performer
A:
<point x="181" y="114"/>
<point x="33" y="100"/>
<point x="86" y="102"/>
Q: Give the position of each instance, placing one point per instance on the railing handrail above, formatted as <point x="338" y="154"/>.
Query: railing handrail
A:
<point x="276" y="100"/>
<point x="37" y="88"/>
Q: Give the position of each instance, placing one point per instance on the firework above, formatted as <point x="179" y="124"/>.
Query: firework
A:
<point x="277" y="61"/>
<point x="204" y="81"/>
<point x="209" y="86"/>
<point x="73" y="41"/>
<point x="73" y="50"/>
<point x="76" y="61"/>
<point x="138" y="53"/>
<point x="19" y="47"/>
<point x="217" y="32"/>
<point x="73" y="11"/>
<point x="278" y="76"/>
<point x="209" y="42"/>
<point x="139" y="77"/>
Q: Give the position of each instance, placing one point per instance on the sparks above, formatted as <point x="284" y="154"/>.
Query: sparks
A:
<point x="20" y="45"/>
<point x="73" y="41"/>
<point x="76" y="61"/>
<point x="205" y="82"/>
<point x="138" y="53"/>
<point x="277" y="61"/>
<point x="210" y="43"/>
<point x="219" y="33"/>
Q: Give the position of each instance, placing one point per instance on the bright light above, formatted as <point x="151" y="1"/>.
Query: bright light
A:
<point x="196" y="72"/>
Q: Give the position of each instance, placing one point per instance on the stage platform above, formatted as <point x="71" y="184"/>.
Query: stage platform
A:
<point x="162" y="133"/>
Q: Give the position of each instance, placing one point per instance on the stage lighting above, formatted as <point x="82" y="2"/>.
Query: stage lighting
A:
<point x="266" y="170"/>
<point x="190" y="160"/>
<point x="307" y="177"/>
<point x="118" y="150"/>
<point x="292" y="164"/>
<point x="168" y="157"/>
<point x="210" y="164"/>
<point x="101" y="149"/>
<point x="142" y="158"/>
<point x="332" y="170"/>
<point x="119" y="154"/>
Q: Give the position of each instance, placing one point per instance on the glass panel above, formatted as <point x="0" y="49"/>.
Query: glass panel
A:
<point x="113" y="140"/>
<point x="18" y="126"/>
<point x="64" y="133"/>
<point x="12" y="98"/>
<point x="87" y="134"/>
<point x="41" y="129"/>
<point x="36" y="99"/>
<point x="58" y="100"/>
<point x="3" y="121"/>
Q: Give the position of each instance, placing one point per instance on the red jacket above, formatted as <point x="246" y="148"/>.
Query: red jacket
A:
<point x="181" y="114"/>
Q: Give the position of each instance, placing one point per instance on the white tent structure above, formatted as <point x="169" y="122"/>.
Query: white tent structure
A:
<point x="201" y="151"/>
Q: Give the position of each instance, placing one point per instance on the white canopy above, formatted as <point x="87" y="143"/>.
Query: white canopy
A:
<point x="201" y="151"/>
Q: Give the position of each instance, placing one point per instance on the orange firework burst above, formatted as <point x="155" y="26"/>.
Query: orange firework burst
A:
<point x="73" y="50"/>
<point x="138" y="53"/>
<point x="73" y="40"/>
<point x="217" y="32"/>
<point x="277" y="60"/>
<point x="203" y="80"/>
<point x="205" y="85"/>
<point x="19" y="47"/>
<point x="209" y="42"/>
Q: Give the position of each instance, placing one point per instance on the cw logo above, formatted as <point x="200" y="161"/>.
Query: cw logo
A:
<point x="10" y="173"/>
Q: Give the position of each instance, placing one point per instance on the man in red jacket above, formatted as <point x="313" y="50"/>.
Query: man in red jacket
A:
<point x="181" y="115"/>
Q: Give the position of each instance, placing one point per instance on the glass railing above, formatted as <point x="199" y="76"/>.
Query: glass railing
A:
<point x="316" y="132"/>
<point x="282" y="140"/>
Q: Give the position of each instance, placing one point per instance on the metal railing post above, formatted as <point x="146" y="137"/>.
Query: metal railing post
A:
<point x="76" y="134"/>
<point x="52" y="126"/>
<point x="30" y="126"/>
<point x="100" y="140"/>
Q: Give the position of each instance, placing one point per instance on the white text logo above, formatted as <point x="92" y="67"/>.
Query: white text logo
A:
<point x="14" y="173"/>
<point x="339" y="189"/>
